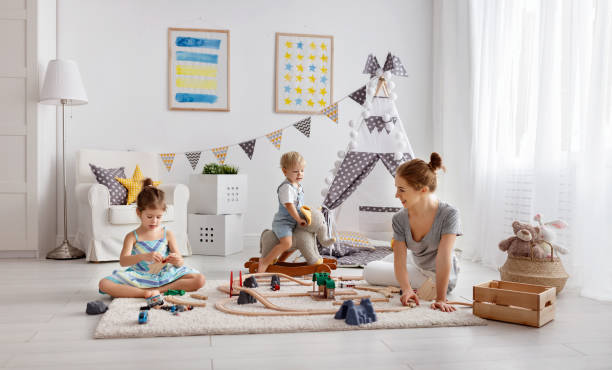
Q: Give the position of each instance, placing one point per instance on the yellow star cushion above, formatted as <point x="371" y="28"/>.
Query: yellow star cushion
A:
<point x="134" y="185"/>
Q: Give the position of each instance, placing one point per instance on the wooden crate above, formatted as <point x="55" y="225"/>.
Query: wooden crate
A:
<point x="519" y="303"/>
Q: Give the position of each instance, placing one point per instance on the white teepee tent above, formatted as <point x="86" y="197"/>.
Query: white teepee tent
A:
<point x="361" y="193"/>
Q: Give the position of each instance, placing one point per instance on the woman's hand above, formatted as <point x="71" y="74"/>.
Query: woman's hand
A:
<point x="153" y="257"/>
<point x="443" y="306"/>
<point x="409" y="295"/>
<point x="175" y="259"/>
<point x="302" y="222"/>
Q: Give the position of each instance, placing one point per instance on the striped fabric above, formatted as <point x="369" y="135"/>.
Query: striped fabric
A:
<point x="138" y="275"/>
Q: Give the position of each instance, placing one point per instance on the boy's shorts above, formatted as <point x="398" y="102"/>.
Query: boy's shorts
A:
<point x="283" y="228"/>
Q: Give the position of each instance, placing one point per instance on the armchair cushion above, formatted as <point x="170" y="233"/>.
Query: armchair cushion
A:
<point x="126" y="214"/>
<point x="106" y="177"/>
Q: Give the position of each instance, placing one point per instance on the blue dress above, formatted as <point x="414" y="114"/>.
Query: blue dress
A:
<point x="283" y="224"/>
<point x="138" y="275"/>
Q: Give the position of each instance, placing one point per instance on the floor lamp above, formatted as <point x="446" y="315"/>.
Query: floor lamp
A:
<point x="63" y="86"/>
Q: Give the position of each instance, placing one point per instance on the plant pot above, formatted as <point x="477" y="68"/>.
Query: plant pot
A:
<point x="218" y="194"/>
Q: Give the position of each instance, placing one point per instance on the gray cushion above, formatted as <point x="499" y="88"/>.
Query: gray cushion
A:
<point x="106" y="177"/>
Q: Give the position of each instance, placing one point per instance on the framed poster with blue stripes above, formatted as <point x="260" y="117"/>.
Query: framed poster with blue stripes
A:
<point x="198" y="69"/>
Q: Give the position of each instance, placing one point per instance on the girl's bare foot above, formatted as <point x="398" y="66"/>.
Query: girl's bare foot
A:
<point x="151" y="293"/>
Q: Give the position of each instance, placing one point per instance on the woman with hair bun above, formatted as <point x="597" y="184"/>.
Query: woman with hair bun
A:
<point x="424" y="235"/>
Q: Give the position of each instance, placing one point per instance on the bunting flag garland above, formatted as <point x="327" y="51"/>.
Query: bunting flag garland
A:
<point x="377" y="122"/>
<point x="275" y="138"/>
<point x="248" y="147"/>
<point x="394" y="65"/>
<point x="193" y="158"/>
<point x="303" y="126"/>
<point x="359" y="95"/>
<point x="168" y="159"/>
<point x="371" y="66"/>
<point x="332" y="112"/>
<point x="220" y="153"/>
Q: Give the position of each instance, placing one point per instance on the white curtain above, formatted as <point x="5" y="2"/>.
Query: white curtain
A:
<point x="536" y="137"/>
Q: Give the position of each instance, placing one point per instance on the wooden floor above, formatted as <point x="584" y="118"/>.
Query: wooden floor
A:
<point x="43" y="325"/>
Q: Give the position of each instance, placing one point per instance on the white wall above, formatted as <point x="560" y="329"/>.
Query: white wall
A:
<point x="121" y="50"/>
<point x="47" y="144"/>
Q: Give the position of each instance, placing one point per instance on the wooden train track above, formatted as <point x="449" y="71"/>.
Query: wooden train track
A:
<point x="279" y="310"/>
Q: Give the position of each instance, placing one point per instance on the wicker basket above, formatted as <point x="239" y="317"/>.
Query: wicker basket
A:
<point x="530" y="270"/>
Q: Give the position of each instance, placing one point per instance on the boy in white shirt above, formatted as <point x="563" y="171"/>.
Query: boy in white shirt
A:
<point x="290" y="199"/>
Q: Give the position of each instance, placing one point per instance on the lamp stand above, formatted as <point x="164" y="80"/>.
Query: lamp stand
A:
<point x="65" y="251"/>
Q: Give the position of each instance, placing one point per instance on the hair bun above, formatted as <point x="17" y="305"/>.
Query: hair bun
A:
<point x="147" y="182"/>
<point x="435" y="161"/>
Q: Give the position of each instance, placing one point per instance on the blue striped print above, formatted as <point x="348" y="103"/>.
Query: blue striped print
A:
<point x="193" y="42"/>
<point x="195" y="98"/>
<point x="197" y="57"/>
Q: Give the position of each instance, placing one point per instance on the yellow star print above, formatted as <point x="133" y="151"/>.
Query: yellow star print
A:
<point x="287" y="56"/>
<point x="288" y="77"/>
<point x="311" y="90"/>
<point x="311" y="57"/>
<point x="298" y="90"/>
<point x="287" y="101"/>
<point x="312" y="78"/>
<point x="322" y="102"/>
<point x="323" y="70"/>
<point x="324" y="58"/>
<point x="323" y="91"/>
<point x="300" y="56"/>
<point x="289" y="44"/>
<point x="312" y="45"/>
<point x="300" y="68"/>
<point x="310" y="103"/>
<point x="299" y="78"/>
<point x="323" y="46"/>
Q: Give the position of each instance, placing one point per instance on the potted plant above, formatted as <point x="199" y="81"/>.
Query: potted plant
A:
<point x="218" y="190"/>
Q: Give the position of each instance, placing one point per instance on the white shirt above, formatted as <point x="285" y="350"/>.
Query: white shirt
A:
<point x="287" y="193"/>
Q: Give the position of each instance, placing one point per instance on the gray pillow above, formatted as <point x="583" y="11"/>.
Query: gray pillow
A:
<point x="106" y="177"/>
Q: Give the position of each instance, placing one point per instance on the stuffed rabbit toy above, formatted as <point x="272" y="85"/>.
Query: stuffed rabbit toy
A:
<point x="548" y="233"/>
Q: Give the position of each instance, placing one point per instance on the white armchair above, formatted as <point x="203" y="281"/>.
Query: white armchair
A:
<point x="102" y="226"/>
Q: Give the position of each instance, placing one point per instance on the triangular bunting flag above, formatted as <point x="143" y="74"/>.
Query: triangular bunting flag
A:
<point x="193" y="158"/>
<point x="394" y="65"/>
<point x="168" y="159"/>
<point x="377" y="122"/>
<point x="359" y="95"/>
<point x="275" y="138"/>
<point x="371" y="65"/>
<point x="303" y="126"/>
<point x="332" y="112"/>
<point x="220" y="153"/>
<point x="248" y="147"/>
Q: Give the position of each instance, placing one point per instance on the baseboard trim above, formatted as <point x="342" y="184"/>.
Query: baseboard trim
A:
<point x="18" y="254"/>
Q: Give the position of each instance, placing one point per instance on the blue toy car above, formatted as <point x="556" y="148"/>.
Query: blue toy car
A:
<point x="143" y="317"/>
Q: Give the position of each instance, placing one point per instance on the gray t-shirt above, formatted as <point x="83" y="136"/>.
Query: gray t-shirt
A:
<point x="425" y="251"/>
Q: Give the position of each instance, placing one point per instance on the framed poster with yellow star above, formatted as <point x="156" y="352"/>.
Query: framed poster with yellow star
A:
<point x="304" y="70"/>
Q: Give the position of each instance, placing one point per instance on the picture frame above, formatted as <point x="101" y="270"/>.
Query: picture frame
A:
<point x="303" y="73"/>
<point x="198" y="69"/>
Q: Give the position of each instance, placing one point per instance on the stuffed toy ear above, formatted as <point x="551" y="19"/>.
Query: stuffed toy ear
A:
<point x="538" y="218"/>
<point x="559" y="224"/>
<point x="307" y="214"/>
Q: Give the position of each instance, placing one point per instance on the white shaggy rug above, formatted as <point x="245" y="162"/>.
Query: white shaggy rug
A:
<point x="121" y="319"/>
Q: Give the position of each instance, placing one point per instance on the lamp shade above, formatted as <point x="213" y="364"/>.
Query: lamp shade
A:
<point x="63" y="82"/>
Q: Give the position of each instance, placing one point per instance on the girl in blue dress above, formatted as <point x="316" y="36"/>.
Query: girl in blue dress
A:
<point x="149" y="244"/>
